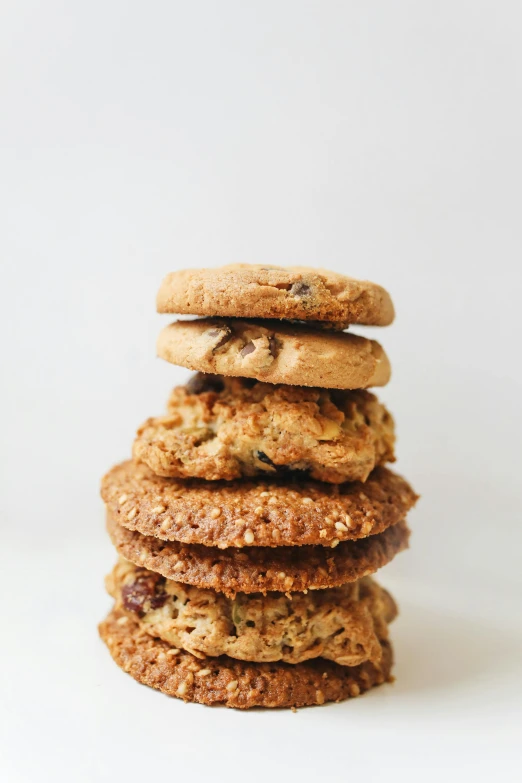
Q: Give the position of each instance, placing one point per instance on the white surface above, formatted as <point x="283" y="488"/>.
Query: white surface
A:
<point x="381" y="139"/>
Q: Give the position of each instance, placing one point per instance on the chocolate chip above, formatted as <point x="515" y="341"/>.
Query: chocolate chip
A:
<point x="262" y="457"/>
<point x="204" y="382"/>
<point x="300" y="289"/>
<point x="223" y="333"/>
<point x="248" y="348"/>
<point x="272" y="346"/>
<point x="283" y="469"/>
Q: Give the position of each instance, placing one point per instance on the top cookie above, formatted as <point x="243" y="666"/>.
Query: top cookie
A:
<point x="294" y="292"/>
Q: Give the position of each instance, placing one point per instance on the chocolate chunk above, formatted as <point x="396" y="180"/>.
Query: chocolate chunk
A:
<point x="262" y="457"/>
<point x="204" y="382"/>
<point x="223" y="333"/>
<point x="272" y="346"/>
<point x="248" y="348"/>
<point x="283" y="469"/>
<point x="300" y="289"/>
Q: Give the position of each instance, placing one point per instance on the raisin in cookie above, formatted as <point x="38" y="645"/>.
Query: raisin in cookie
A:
<point x="274" y="352"/>
<point x="255" y="291"/>
<point x="342" y="624"/>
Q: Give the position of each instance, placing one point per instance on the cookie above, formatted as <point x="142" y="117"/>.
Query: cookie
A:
<point x="255" y="291"/>
<point x="234" y="683"/>
<point x="225" y="428"/>
<point x="273" y="352"/>
<point x="260" y="569"/>
<point x="342" y="624"/>
<point x="261" y="513"/>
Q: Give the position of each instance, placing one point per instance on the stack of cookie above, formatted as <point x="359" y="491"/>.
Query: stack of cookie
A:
<point x="254" y="512"/>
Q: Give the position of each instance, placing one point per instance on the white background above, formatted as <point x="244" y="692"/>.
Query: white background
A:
<point x="382" y="139"/>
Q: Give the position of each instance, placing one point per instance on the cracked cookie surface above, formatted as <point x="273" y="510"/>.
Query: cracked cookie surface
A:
<point x="275" y="352"/>
<point x="225" y="428"/>
<point x="261" y="512"/>
<point x="260" y="569"/>
<point x="259" y="291"/>
<point x="343" y="624"/>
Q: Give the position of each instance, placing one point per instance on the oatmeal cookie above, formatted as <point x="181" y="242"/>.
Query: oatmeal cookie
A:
<point x="233" y="683"/>
<point x="224" y="428"/>
<point x="342" y="624"/>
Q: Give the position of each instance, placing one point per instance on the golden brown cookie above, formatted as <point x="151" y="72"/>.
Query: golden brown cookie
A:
<point x="260" y="513"/>
<point x="225" y="428"/>
<point x="235" y="683"/>
<point x="260" y="569"/>
<point x="256" y="291"/>
<point x="275" y="352"/>
<point x="342" y="624"/>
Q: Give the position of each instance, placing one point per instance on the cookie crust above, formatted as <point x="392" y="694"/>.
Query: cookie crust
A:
<point x="247" y="513"/>
<point x="232" y="683"/>
<point x="254" y="290"/>
<point x="224" y="428"/>
<point x="260" y="569"/>
<point x="274" y="352"/>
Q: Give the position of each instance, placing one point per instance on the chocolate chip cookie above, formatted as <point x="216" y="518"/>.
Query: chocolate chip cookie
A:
<point x="256" y="291"/>
<point x="275" y="352"/>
